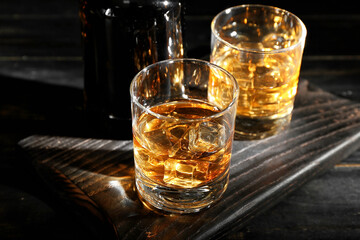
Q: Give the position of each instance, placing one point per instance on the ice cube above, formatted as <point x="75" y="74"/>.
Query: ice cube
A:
<point x="178" y="136"/>
<point x="220" y="90"/>
<point x="207" y="136"/>
<point x="150" y="165"/>
<point x="273" y="41"/>
<point x="251" y="45"/>
<point x="155" y="137"/>
<point x="267" y="77"/>
<point x="176" y="131"/>
<point x="153" y="124"/>
<point x="185" y="173"/>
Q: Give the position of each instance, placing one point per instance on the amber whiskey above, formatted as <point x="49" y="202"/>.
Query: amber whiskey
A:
<point x="178" y="145"/>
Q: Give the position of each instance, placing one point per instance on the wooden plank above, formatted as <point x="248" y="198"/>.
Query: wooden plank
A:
<point x="40" y="36"/>
<point x="99" y="173"/>
<point x="43" y="7"/>
<point x="52" y="71"/>
<point x="335" y="74"/>
<point x="326" y="207"/>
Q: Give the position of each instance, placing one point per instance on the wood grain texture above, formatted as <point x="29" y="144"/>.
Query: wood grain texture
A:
<point x="98" y="174"/>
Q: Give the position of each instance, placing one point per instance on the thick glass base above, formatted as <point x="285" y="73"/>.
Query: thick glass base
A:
<point x="179" y="200"/>
<point x="258" y="128"/>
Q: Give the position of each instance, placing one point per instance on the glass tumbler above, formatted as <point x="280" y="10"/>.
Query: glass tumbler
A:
<point x="262" y="47"/>
<point x="183" y="115"/>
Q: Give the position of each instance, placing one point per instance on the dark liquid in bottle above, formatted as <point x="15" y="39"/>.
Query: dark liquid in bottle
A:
<point x="119" y="39"/>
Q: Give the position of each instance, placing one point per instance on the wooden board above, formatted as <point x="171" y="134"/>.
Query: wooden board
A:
<point x="96" y="176"/>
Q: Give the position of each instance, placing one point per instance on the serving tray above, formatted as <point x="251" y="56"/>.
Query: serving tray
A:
<point x="94" y="178"/>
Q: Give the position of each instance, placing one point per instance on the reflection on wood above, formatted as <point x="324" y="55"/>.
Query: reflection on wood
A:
<point x="98" y="175"/>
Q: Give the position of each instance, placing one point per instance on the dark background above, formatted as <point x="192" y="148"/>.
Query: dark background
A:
<point x="41" y="93"/>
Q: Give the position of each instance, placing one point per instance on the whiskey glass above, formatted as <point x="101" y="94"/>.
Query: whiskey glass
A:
<point x="183" y="115"/>
<point x="262" y="47"/>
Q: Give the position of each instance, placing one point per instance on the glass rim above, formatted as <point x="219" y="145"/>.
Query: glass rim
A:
<point x="300" y="40"/>
<point x="190" y="60"/>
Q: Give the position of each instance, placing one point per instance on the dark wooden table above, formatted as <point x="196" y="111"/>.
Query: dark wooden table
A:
<point x="41" y="93"/>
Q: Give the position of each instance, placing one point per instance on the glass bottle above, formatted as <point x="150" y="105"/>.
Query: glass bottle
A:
<point x="119" y="38"/>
